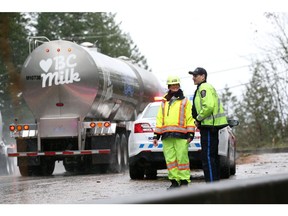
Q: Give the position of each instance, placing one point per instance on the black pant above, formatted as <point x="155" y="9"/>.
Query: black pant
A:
<point x="209" y="154"/>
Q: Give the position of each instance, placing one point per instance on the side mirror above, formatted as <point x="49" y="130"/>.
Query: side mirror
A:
<point x="233" y="122"/>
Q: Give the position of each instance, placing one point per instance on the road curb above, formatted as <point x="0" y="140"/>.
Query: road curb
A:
<point x="262" y="190"/>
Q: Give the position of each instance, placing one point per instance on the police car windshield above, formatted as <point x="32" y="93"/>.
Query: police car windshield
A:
<point x="151" y="112"/>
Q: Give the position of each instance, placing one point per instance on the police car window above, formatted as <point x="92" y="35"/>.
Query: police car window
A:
<point x="151" y="112"/>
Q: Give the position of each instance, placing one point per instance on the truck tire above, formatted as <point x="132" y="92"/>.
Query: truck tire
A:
<point x="29" y="170"/>
<point x="124" y="147"/>
<point x="47" y="166"/>
<point x="116" y="156"/>
<point x="69" y="164"/>
<point x="25" y="171"/>
<point x="69" y="167"/>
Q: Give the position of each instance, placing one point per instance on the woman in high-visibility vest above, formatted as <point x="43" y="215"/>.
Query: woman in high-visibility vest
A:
<point x="175" y="126"/>
<point x="208" y="112"/>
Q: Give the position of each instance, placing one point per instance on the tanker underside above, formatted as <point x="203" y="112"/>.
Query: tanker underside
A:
<point x="36" y="164"/>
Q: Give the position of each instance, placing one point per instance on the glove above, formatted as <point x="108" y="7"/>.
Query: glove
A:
<point x="156" y="137"/>
<point x="190" y="136"/>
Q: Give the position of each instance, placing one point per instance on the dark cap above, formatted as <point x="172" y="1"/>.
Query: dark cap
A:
<point x="198" y="71"/>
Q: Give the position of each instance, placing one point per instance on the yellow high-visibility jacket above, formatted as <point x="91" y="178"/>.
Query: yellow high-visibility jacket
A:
<point x="209" y="107"/>
<point x="175" y="116"/>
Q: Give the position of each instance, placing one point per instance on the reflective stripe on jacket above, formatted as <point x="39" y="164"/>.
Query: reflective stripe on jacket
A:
<point x="209" y="107"/>
<point x="175" y="116"/>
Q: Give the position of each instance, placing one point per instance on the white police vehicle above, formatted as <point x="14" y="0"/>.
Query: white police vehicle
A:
<point x="145" y="159"/>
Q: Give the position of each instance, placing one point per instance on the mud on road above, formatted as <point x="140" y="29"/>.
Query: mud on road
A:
<point x="255" y="165"/>
<point x="247" y="158"/>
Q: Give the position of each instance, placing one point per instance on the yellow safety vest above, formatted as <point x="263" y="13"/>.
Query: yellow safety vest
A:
<point x="209" y="107"/>
<point x="175" y="117"/>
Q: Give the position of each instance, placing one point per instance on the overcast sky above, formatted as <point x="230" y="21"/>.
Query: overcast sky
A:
<point x="175" y="42"/>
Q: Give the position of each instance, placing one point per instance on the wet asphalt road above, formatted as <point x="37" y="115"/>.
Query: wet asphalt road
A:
<point x="64" y="188"/>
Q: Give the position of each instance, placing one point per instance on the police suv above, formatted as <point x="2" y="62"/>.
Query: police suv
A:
<point x="145" y="159"/>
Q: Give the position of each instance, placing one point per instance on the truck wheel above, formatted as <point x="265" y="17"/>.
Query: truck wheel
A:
<point x="136" y="172"/>
<point x="29" y="170"/>
<point x="25" y="171"/>
<point x="124" y="147"/>
<point x="47" y="166"/>
<point x="116" y="157"/>
<point x="69" y="167"/>
<point x="69" y="164"/>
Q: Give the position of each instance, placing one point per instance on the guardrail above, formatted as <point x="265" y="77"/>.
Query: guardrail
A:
<point x="270" y="189"/>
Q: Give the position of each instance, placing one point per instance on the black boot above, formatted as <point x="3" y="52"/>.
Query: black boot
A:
<point x="173" y="185"/>
<point x="183" y="183"/>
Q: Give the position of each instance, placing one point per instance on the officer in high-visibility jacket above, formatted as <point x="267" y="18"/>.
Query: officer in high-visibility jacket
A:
<point x="175" y="126"/>
<point x="208" y="112"/>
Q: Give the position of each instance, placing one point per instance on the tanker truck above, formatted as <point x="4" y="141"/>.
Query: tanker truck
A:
<point x="83" y="103"/>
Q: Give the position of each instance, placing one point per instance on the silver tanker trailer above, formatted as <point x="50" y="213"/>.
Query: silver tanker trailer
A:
<point x="83" y="103"/>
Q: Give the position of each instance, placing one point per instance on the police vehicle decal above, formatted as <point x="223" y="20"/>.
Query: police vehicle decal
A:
<point x="160" y="145"/>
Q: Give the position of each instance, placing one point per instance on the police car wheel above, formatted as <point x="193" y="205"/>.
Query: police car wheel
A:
<point x="136" y="172"/>
<point x="151" y="173"/>
<point x="224" y="167"/>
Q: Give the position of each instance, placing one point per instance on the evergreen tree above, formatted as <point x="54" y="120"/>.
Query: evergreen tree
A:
<point x="263" y="112"/>
<point x="229" y="102"/>
<point x="13" y="46"/>
<point x="257" y="112"/>
<point x="98" y="28"/>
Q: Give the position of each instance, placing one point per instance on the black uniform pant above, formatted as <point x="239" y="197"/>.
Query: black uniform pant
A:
<point x="209" y="154"/>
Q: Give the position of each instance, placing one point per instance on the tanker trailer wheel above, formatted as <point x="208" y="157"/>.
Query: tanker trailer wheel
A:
<point x="29" y="170"/>
<point x="25" y="171"/>
<point x="124" y="147"/>
<point x="47" y="166"/>
<point x="69" y="168"/>
<point x="116" y="156"/>
<point x="70" y="164"/>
